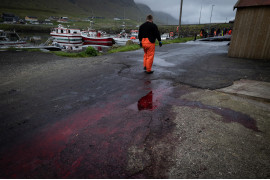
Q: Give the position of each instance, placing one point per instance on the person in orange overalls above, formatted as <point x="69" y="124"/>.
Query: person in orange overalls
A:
<point x="148" y="33"/>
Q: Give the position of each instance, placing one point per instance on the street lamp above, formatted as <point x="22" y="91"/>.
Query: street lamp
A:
<point x="200" y="14"/>
<point x="211" y="13"/>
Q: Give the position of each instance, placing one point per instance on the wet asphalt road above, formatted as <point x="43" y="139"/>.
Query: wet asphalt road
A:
<point x="103" y="117"/>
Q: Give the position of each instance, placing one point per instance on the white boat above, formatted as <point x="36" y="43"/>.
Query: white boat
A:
<point x="10" y="39"/>
<point x="92" y="37"/>
<point x="66" y="35"/>
<point x="165" y="36"/>
<point x="134" y="34"/>
<point x="123" y="37"/>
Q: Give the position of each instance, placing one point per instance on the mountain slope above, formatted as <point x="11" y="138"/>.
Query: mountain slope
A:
<point x="72" y="8"/>
<point x="83" y="8"/>
<point x="165" y="18"/>
<point x="159" y="17"/>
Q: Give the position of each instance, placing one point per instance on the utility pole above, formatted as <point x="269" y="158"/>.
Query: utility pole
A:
<point x="124" y="13"/>
<point x="180" y="17"/>
<point x="211" y="13"/>
<point x="200" y="14"/>
<point x="211" y="18"/>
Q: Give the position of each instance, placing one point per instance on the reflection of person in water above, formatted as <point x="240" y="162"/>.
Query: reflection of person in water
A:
<point x="146" y="102"/>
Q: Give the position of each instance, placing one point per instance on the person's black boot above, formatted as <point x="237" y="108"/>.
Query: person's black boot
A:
<point x="149" y="72"/>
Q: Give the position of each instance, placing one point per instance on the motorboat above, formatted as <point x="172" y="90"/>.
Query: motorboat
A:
<point x="134" y="34"/>
<point x="93" y="37"/>
<point x="10" y="39"/>
<point x="123" y="37"/>
<point x="165" y="36"/>
<point x="66" y="35"/>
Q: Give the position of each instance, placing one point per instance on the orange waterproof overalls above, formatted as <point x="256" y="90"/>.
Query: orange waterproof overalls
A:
<point x="149" y="53"/>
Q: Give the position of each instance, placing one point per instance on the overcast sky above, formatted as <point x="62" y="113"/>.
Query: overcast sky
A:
<point x="191" y="9"/>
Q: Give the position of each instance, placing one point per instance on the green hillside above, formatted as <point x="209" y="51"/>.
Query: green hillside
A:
<point x="82" y="9"/>
<point x="71" y="8"/>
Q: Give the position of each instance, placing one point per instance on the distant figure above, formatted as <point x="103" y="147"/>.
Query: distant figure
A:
<point x="225" y="31"/>
<point x="148" y="33"/>
<point x="206" y="34"/>
<point x="218" y="32"/>
<point x="201" y="33"/>
<point x="212" y="32"/>
<point x="230" y="32"/>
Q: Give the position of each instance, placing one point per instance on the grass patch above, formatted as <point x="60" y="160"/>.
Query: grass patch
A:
<point x="177" y="40"/>
<point x="136" y="46"/>
<point x="89" y="52"/>
<point x="125" y="48"/>
<point x="68" y="54"/>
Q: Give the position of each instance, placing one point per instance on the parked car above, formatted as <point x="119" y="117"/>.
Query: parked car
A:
<point x="165" y="36"/>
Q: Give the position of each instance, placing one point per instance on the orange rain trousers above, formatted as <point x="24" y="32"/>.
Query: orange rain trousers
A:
<point x="149" y="53"/>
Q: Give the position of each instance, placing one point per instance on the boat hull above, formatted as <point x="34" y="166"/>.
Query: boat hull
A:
<point x="124" y="40"/>
<point x="12" y="43"/>
<point x="67" y="38"/>
<point x="105" y="41"/>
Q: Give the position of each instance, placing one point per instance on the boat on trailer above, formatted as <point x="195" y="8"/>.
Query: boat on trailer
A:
<point x="66" y="35"/>
<point x="10" y="39"/>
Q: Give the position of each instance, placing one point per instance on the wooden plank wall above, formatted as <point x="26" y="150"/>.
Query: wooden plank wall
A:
<point x="251" y="33"/>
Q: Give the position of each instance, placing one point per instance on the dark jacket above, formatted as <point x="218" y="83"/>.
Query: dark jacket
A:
<point x="149" y="30"/>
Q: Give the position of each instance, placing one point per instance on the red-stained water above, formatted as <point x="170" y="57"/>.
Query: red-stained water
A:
<point x="146" y="102"/>
<point x="30" y="155"/>
<point x="90" y="143"/>
<point x="94" y="143"/>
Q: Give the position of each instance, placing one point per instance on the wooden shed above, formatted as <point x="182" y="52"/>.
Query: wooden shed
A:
<point x="251" y="32"/>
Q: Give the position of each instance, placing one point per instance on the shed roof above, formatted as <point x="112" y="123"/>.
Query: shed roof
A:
<point x="251" y="3"/>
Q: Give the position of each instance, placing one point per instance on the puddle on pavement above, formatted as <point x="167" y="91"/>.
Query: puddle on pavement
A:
<point x="146" y="102"/>
<point x="160" y="96"/>
<point x="209" y="43"/>
<point x="153" y="99"/>
<point x="159" y="61"/>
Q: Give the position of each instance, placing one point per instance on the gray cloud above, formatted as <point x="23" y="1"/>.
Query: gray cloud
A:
<point x="223" y="9"/>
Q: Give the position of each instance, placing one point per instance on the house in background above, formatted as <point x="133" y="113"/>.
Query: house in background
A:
<point x="9" y="18"/>
<point x="251" y="32"/>
<point x="63" y="20"/>
<point x="53" y="18"/>
<point x="31" y="19"/>
<point x="48" y="22"/>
